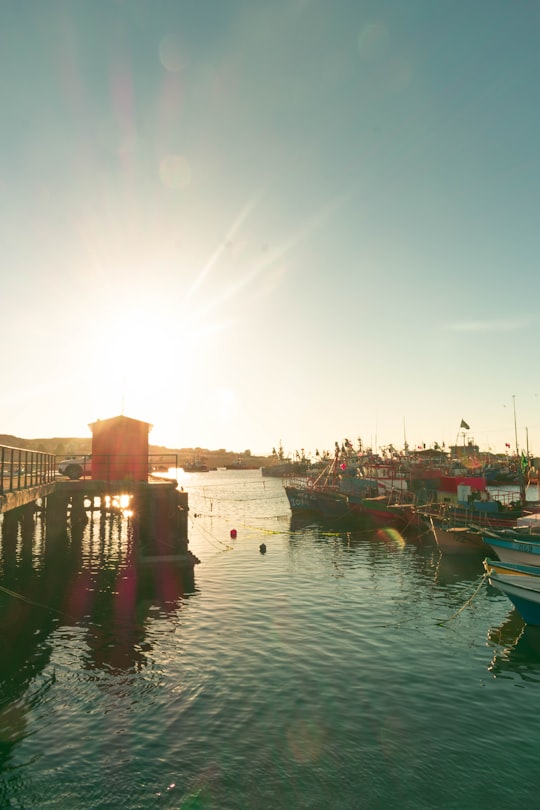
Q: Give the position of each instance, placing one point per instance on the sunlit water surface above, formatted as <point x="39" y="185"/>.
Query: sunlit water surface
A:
<point x="333" y="671"/>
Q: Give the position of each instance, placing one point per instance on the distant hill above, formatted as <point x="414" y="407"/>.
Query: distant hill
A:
<point x="59" y="446"/>
<point x="63" y="446"/>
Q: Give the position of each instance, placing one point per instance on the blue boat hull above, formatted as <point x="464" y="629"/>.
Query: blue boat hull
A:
<point x="529" y="611"/>
<point x="524" y="597"/>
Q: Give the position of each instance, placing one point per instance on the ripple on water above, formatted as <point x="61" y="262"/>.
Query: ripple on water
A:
<point x="337" y="670"/>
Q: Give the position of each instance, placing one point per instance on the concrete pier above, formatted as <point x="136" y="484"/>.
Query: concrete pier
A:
<point x="158" y="512"/>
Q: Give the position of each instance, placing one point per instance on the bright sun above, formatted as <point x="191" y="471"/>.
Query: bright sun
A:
<point x="157" y="367"/>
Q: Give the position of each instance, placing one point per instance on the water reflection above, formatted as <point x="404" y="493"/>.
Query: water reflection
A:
<point x="116" y="635"/>
<point x="456" y="568"/>
<point x="329" y="528"/>
<point x="299" y="522"/>
<point x="516" y="649"/>
<point x="84" y="574"/>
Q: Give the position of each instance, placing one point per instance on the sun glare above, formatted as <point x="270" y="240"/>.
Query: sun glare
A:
<point x="159" y="367"/>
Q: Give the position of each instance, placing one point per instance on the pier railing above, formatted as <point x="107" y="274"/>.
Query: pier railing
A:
<point x="20" y="469"/>
<point x="116" y="466"/>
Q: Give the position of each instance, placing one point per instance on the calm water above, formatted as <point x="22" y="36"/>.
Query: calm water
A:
<point x="335" y="671"/>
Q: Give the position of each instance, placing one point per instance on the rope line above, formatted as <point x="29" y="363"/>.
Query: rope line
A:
<point x="468" y="602"/>
<point x="443" y="621"/>
<point x="31" y="602"/>
<point x="206" y="535"/>
<point x="232" y="517"/>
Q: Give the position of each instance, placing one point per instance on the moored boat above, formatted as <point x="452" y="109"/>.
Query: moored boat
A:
<point x="395" y="509"/>
<point x="514" y="547"/>
<point x="324" y="503"/>
<point x="197" y="464"/>
<point x="327" y="495"/>
<point x="281" y="465"/>
<point x="514" y="569"/>
<point x="523" y="592"/>
<point x="497" y="511"/>
<point x="283" y="468"/>
<point x="457" y="539"/>
<point x="241" y="464"/>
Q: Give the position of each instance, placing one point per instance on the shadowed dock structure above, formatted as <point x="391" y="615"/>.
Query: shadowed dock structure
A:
<point x="121" y="481"/>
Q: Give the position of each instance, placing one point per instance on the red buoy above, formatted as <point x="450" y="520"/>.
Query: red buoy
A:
<point x="233" y="534"/>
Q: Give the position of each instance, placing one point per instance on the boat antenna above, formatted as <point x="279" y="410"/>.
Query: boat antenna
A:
<point x="518" y="460"/>
<point x="515" y="424"/>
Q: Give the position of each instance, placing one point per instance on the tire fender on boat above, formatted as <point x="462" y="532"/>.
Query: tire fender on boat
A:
<point x="310" y="482"/>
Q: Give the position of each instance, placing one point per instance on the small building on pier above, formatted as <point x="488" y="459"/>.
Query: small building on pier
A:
<point x="120" y="449"/>
<point x="158" y="510"/>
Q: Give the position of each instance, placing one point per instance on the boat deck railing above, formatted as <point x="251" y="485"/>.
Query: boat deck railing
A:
<point x="507" y="498"/>
<point x="400" y="497"/>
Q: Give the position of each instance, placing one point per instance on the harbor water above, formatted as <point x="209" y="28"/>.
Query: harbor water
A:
<point x="328" y="670"/>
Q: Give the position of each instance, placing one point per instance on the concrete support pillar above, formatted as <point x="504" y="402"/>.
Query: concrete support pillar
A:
<point x="10" y="533"/>
<point x="56" y="515"/>
<point x="78" y="512"/>
<point x="160" y="518"/>
<point x="182" y="510"/>
<point x="27" y="514"/>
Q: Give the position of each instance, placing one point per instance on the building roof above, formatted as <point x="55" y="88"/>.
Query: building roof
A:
<point x="119" y="419"/>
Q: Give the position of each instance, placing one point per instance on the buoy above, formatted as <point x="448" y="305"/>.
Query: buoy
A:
<point x="262" y="548"/>
<point x="233" y="534"/>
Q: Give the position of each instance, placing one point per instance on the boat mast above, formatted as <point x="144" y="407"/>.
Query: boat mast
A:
<point x="521" y="475"/>
<point x="515" y="424"/>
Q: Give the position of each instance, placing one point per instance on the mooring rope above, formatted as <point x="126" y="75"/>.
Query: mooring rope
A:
<point x="206" y="534"/>
<point x="23" y="598"/>
<point x="468" y="602"/>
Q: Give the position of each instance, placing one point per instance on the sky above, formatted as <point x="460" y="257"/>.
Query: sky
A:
<point x="251" y="222"/>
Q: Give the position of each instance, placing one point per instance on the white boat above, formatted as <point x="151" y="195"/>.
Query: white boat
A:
<point x="511" y="569"/>
<point x="523" y="592"/>
<point x="513" y="548"/>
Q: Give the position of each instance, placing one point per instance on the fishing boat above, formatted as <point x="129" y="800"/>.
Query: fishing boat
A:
<point x="522" y="591"/>
<point x="396" y="508"/>
<point x="514" y="546"/>
<point x="284" y="468"/>
<point x="327" y="495"/>
<point x="457" y="539"/>
<point x="352" y="500"/>
<point x="281" y="466"/>
<point x="389" y="474"/>
<point x="241" y="464"/>
<point x="197" y="464"/>
<point x="513" y="569"/>
<point x="317" y="501"/>
<point x="481" y="507"/>
<point x="501" y="473"/>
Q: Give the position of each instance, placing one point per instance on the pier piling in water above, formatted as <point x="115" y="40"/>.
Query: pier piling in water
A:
<point x="157" y="510"/>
